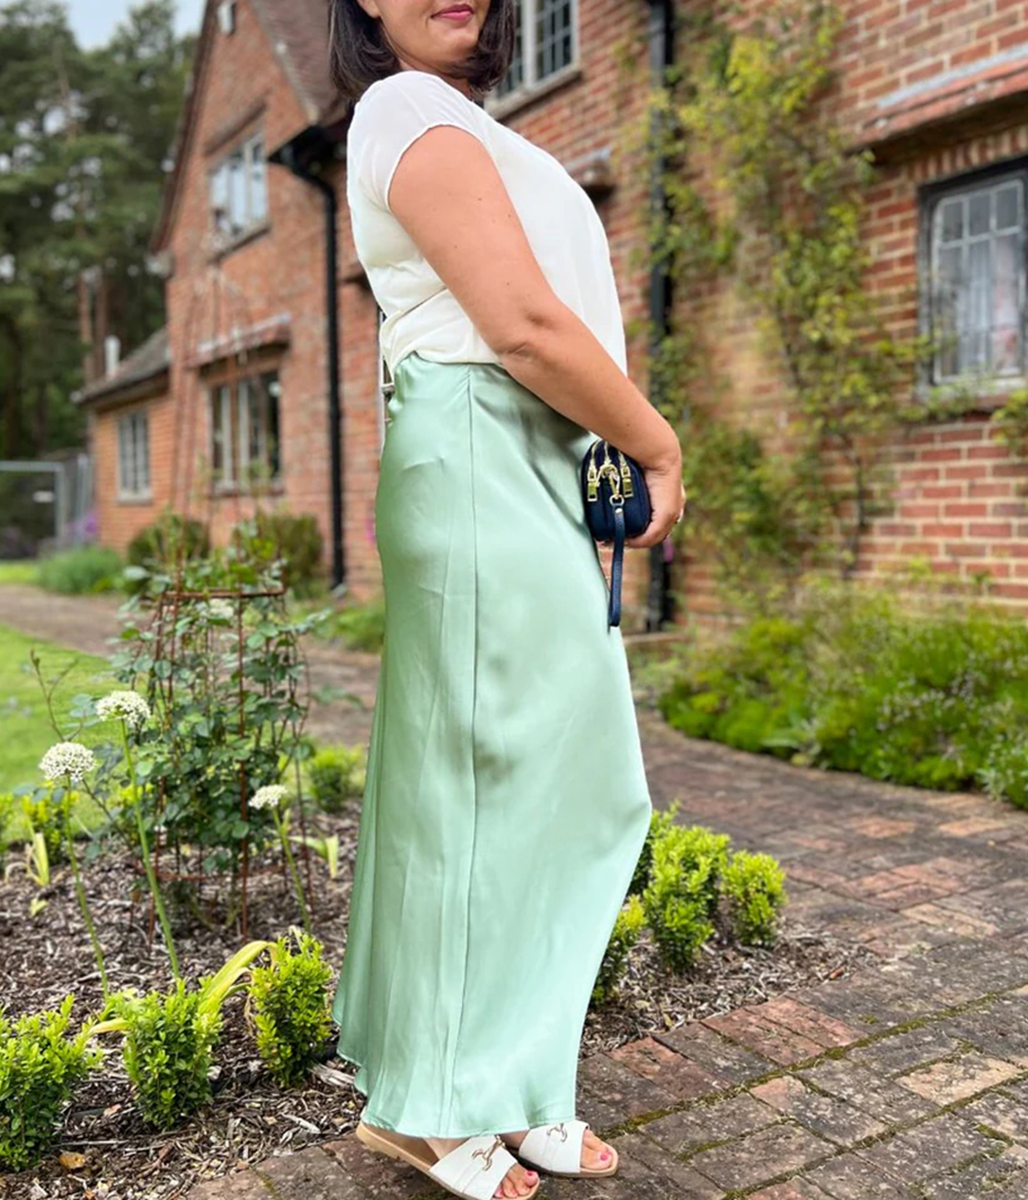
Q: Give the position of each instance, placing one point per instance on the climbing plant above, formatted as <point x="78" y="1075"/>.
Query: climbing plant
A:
<point x="763" y="190"/>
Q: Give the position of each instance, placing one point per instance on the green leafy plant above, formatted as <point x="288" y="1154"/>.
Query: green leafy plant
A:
<point x="361" y="626"/>
<point x="156" y="548"/>
<point x="48" y="815"/>
<point x="627" y="928"/>
<point x="40" y="1065"/>
<point x="82" y="571"/>
<point x="290" y="1008"/>
<point x="169" y="1038"/>
<point x="681" y="897"/>
<point x="168" y="1051"/>
<point x="660" y="822"/>
<point x="853" y="678"/>
<point x="292" y="539"/>
<point x="753" y="885"/>
<point x="337" y="774"/>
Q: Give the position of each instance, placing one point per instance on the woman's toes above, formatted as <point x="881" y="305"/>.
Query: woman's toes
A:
<point x="595" y="1153"/>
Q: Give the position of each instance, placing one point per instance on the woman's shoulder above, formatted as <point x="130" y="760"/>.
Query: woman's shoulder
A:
<point x="421" y="86"/>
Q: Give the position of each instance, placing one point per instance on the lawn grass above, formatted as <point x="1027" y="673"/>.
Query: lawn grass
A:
<point x="26" y="729"/>
<point x="25" y="570"/>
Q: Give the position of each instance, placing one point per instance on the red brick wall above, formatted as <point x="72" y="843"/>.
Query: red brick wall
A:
<point x="280" y="271"/>
<point x="121" y="520"/>
<point x="957" y="500"/>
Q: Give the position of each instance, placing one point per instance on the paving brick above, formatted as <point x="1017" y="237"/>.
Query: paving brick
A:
<point x="717" y="1121"/>
<point x="828" y="1116"/>
<point x="874" y="1094"/>
<point x="1001" y="1177"/>
<point x="957" y="1079"/>
<point x="950" y="919"/>
<point x="1001" y="1112"/>
<point x="598" y="1112"/>
<point x="773" y="1041"/>
<point x="867" y="1001"/>
<point x="960" y="971"/>
<point x="810" y="1022"/>
<point x="900" y="1052"/>
<point x="317" y="1174"/>
<point x="239" y="1185"/>
<point x="376" y="1174"/>
<point x="640" y="1158"/>
<point x="927" y="1149"/>
<point x="1001" y="908"/>
<point x="849" y="1177"/>
<point x="682" y="1078"/>
<point x="792" y="1189"/>
<point x="727" y="1061"/>
<point x="761" y="1157"/>
<point x="624" y="1090"/>
<point x="895" y="935"/>
<point x="880" y="827"/>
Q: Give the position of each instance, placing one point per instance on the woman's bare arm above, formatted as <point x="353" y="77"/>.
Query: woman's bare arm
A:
<point x="451" y="199"/>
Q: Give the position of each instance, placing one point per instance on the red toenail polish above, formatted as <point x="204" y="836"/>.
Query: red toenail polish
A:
<point x="605" y="1154"/>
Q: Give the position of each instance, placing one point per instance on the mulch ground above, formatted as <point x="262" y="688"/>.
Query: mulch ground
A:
<point x="251" y="1116"/>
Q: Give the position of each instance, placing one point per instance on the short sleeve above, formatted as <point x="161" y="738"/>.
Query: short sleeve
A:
<point x="393" y="114"/>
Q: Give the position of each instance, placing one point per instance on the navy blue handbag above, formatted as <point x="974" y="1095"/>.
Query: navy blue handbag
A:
<point x="617" y="506"/>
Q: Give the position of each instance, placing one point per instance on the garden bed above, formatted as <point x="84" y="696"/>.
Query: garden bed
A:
<point x="250" y="1116"/>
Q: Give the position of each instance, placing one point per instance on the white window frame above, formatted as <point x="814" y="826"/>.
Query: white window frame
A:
<point x="936" y="196"/>
<point x="530" y="83"/>
<point x="223" y="218"/>
<point x="231" y="398"/>
<point x="133" y="454"/>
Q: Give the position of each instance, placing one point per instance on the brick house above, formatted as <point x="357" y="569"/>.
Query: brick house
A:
<point x="267" y="384"/>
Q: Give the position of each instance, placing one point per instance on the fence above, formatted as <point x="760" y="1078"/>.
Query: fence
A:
<point x="46" y="504"/>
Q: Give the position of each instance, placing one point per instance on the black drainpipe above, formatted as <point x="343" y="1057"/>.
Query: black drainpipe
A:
<point x="662" y="55"/>
<point x="312" y="146"/>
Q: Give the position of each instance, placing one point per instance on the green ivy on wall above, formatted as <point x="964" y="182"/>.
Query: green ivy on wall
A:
<point x="762" y="190"/>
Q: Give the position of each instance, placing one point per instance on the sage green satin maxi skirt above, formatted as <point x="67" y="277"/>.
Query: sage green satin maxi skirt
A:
<point x="506" y="802"/>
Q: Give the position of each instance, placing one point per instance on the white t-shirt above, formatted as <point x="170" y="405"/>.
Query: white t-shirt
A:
<point x="560" y="222"/>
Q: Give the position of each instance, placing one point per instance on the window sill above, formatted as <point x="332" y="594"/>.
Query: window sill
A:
<point x="229" y="490"/>
<point x="134" y="498"/>
<point x="978" y="395"/>
<point x="527" y="94"/>
<point x="229" y="246"/>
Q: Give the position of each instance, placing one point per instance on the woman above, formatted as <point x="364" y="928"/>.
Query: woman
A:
<point x="506" y="801"/>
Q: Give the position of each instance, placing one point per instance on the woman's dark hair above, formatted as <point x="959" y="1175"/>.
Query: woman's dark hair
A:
<point x="359" y="53"/>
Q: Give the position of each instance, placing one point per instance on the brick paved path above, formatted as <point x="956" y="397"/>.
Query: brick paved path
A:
<point x="907" y="1080"/>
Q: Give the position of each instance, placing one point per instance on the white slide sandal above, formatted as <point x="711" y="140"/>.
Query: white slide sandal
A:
<point x="474" y="1169"/>
<point x="557" y="1149"/>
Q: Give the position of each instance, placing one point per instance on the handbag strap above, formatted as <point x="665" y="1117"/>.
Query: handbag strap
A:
<point x="614" y="615"/>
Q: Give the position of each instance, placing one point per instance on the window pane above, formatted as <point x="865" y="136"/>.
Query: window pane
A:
<point x="950" y="219"/>
<point x="219" y="197"/>
<point x="1006" y="326"/>
<point x="237" y="192"/>
<point x="123" y="454"/>
<point x="258" y="182"/>
<point x="271" y="439"/>
<point x="144" y="475"/>
<point x="255" y="430"/>
<point x="516" y="70"/>
<point x="1008" y="207"/>
<point x="553" y="36"/>
<point x="981" y="213"/>
<point x="979" y="281"/>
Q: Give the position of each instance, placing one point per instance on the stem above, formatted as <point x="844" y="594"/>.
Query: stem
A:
<point x="83" y="902"/>
<point x="292" y="867"/>
<point x="147" y="864"/>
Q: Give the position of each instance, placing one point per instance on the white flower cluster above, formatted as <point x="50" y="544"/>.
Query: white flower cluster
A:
<point x="268" y="796"/>
<point x="132" y="708"/>
<point x="67" y="758"/>
<point x="221" y="609"/>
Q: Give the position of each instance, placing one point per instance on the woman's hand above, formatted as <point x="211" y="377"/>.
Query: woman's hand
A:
<point x="667" y="495"/>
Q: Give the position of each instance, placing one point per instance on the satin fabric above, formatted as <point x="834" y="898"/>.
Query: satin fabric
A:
<point x="506" y="801"/>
